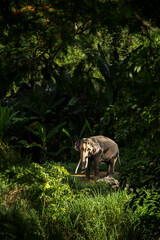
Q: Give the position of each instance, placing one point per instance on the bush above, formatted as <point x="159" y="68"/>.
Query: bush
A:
<point x="146" y="206"/>
<point x="32" y="201"/>
<point x="20" y="222"/>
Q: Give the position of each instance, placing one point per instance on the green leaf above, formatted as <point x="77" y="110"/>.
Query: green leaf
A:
<point x="55" y="130"/>
<point x="33" y="131"/>
<point x="67" y="133"/>
<point x="82" y="130"/>
<point x="61" y="150"/>
<point x="88" y="125"/>
<point x="73" y="101"/>
<point x="26" y="145"/>
<point x="34" y="145"/>
<point x="24" y="142"/>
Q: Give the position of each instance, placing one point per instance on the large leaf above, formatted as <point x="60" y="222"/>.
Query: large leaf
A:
<point x="89" y="127"/>
<point x="38" y="130"/>
<point x="103" y="65"/>
<point x="55" y="130"/>
<point x="73" y="101"/>
<point x="82" y="130"/>
<point x="26" y="145"/>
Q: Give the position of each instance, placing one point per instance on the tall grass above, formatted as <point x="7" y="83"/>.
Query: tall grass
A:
<point x="97" y="217"/>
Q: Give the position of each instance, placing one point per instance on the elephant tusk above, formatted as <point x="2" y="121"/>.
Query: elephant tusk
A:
<point x="86" y="163"/>
<point x="77" y="166"/>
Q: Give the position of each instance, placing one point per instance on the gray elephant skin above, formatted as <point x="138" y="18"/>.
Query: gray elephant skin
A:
<point x="97" y="149"/>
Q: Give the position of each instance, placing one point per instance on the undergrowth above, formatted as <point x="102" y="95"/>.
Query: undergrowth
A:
<point x="45" y="202"/>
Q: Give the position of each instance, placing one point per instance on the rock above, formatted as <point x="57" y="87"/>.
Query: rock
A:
<point x="110" y="180"/>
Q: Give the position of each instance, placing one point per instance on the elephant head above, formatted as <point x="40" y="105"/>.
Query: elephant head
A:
<point x="87" y="148"/>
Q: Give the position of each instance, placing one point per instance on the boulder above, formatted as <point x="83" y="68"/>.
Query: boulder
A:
<point x="110" y="180"/>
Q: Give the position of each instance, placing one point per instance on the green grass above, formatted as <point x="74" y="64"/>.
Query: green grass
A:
<point x="98" y="217"/>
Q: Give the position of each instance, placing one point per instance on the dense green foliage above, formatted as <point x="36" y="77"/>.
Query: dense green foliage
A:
<point x="70" y="69"/>
<point x="44" y="202"/>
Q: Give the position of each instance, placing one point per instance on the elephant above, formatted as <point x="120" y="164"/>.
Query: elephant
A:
<point x="97" y="149"/>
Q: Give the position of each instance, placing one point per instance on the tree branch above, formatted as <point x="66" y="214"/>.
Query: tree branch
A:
<point x="145" y="23"/>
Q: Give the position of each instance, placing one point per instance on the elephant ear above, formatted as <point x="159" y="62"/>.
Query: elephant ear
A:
<point x="77" y="145"/>
<point x="96" y="149"/>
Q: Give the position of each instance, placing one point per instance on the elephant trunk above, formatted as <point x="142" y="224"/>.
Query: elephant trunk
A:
<point x="84" y="159"/>
<point x="86" y="163"/>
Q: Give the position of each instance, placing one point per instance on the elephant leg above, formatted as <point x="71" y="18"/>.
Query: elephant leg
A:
<point x="108" y="169"/>
<point x="88" y="168"/>
<point x="111" y="168"/>
<point x="96" y="166"/>
<point x="113" y="162"/>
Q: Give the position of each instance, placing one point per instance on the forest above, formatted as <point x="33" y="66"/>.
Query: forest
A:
<point x="72" y="69"/>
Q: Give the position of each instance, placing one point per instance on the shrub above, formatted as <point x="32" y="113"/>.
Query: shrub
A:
<point x="32" y="201"/>
<point x="146" y="206"/>
<point x="19" y="222"/>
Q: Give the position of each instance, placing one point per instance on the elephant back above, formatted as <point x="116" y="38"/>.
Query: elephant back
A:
<point x="110" y="148"/>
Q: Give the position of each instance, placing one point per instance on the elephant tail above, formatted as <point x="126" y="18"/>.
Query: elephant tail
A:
<point x="119" y="162"/>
